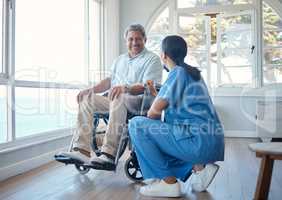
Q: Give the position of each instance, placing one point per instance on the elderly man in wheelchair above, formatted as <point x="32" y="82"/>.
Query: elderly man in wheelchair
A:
<point x="130" y="73"/>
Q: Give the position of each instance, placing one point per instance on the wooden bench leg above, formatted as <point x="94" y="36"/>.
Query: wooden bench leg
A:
<point x="264" y="178"/>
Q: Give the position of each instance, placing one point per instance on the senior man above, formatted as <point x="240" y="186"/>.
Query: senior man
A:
<point x="129" y="72"/>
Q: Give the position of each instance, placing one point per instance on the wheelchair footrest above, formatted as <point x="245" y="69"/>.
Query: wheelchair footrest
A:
<point x="101" y="167"/>
<point x="67" y="160"/>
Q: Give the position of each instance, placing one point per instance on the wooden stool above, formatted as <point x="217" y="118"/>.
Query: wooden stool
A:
<point x="268" y="152"/>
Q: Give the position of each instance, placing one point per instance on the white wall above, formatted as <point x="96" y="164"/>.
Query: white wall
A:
<point x="17" y="161"/>
<point x="134" y="11"/>
<point x="112" y="31"/>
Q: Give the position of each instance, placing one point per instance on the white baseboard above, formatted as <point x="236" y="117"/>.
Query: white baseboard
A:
<point x="27" y="165"/>
<point x="241" y="134"/>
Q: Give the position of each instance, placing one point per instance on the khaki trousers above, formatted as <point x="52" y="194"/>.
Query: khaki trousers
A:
<point x="117" y="109"/>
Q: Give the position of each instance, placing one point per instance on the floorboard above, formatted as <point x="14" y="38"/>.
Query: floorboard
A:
<point x="236" y="180"/>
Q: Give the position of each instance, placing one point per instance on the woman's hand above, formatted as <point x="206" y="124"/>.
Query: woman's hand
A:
<point x="151" y="87"/>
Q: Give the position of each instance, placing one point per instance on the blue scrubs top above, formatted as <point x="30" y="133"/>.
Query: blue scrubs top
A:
<point x="189" y="105"/>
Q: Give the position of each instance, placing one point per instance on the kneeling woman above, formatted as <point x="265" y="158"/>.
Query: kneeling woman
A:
<point x="189" y="140"/>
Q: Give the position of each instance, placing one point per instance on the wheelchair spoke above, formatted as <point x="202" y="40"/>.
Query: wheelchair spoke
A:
<point x="134" y="173"/>
<point x="131" y="165"/>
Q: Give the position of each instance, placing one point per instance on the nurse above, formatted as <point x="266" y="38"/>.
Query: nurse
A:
<point x="189" y="140"/>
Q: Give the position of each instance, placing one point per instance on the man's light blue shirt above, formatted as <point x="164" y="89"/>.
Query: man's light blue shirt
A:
<point x="144" y="66"/>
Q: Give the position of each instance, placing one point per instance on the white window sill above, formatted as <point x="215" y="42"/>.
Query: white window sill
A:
<point x="34" y="140"/>
<point x="274" y="90"/>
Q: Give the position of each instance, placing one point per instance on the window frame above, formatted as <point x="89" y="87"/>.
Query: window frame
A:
<point x="7" y="79"/>
<point x="264" y="47"/>
<point x="219" y="50"/>
<point x="222" y="9"/>
<point x="257" y="85"/>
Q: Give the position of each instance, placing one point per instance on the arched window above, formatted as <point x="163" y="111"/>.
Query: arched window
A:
<point x="222" y="40"/>
<point x="272" y="40"/>
<point x="158" y="30"/>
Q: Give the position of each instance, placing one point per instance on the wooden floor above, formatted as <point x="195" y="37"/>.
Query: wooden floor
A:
<point x="236" y="180"/>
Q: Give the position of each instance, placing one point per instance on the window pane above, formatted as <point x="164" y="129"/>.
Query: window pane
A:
<point x="198" y="3"/>
<point x="158" y="31"/>
<point x="50" y="41"/>
<point x="236" y="75"/>
<point x="236" y="39"/>
<point x="41" y="110"/>
<point x="272" y="74"/>
<point x="190" y="3"/>
<point x="197" y="58"/>
<point x="273" y="56"/>
<point x="271" y="19"/>
<point x="231" y="2"/>
<point x="3" y="115"/>
<point x="236" y="57"/>
<point x="1" y="36"/>
<point x="161" y="24"/>
<point x="95" y="68"/>
<point x="195" y="31"/>
<point x="272" y="38"/>
<point x="236" y="23"/>
<point x="235" y="54"/>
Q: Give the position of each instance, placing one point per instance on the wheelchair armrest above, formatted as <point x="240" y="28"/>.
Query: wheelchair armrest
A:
<point x="146" y="97"/>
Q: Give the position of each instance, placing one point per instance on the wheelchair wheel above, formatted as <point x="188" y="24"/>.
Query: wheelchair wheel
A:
<point x="132" y="169"/>
<point x="82" y="169"/>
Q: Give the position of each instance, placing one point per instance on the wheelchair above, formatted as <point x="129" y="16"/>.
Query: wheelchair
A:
<point x="131" y="167"/>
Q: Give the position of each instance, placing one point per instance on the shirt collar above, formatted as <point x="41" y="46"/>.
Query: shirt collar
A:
<point x="138" y="55"/>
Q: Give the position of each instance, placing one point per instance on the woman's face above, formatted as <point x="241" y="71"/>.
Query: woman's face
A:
<point x="163" y="58"/>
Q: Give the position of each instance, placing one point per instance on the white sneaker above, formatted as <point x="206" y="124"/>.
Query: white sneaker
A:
<point x="76" y="155"/>
<point x="102" y="159"/>
<point x="150" y="181"/>
<point x="200" y="180"/>
<point x="103" y="163"/>
<point x="161" y="189"/>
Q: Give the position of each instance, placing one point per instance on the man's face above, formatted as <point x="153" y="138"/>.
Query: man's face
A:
<point x="135" y="42"/>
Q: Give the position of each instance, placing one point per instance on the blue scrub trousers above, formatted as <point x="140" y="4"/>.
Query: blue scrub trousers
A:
<point x="164" y="149"/>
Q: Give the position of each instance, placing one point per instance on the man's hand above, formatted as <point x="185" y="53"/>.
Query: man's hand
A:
<point x="117" y="91"/>
<point x="83" y="93"/>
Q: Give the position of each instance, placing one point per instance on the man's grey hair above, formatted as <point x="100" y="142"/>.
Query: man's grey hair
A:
<point x="135" y="27"/>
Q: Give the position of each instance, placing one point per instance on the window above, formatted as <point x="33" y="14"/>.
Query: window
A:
<point x="272" y="37"/>
<point x="50" y="41"/>
<point x="220" y="35"/>
<point x="56" y="44"/>
<point x="1" y="37"/>
<point x="158" y="30"/>
<point x="96" y="68"/>
<point x="3" y="116"/>
<point x="196" y="31"/>
<point x="200" y="3"/>
<point x="42" y="110"/>
<point x="235" y="49"/>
